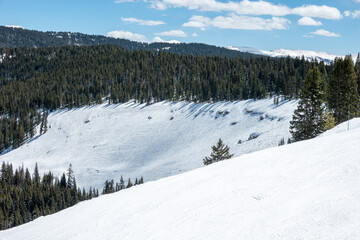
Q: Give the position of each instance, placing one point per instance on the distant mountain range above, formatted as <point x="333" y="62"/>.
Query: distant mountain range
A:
<point x="13" y="36"/>
<point x="308" y="55"/>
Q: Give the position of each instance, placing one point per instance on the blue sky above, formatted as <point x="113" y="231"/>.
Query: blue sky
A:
<point x="332" y="26"/>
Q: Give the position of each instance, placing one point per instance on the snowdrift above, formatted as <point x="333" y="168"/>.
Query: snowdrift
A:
<point x="305" y="190"/>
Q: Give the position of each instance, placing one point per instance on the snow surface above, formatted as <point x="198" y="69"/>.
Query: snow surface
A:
<point x="306" y="190"/>
<point x="14" y="26"/>
<point x="308" y="55"/>
<point x="163" y="139"/>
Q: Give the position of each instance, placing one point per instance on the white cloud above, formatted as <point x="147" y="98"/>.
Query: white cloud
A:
<point x="142" y="22"/>
<point x="158" y="39"/>
<point x="308" y="21"/>
<point x="325" y="33"/>
<point x="194" y="35"/>
<point x="354" y="14"/>
<point x="242" y="7"/>
<point x="197" y="21"/>
<point x="159" y="5"/>
<point x="172" y="33"/>
<point x="127" y="35"/>
<point x="318" y="11"/>
<point x="246" y="7"/>
<point x="234" y="21"/>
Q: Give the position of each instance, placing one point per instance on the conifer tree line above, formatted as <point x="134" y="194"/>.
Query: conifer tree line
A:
<point x="16" y="37"/>
<point x="111" y="186"/>
<point x="36" y="81"/>
<point x="25" y="196"/>
<point x="327" y="102"/>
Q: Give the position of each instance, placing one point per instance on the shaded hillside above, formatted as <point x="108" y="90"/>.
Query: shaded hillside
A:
<point x="17" y="37"/>
<point x="154" y="141"/>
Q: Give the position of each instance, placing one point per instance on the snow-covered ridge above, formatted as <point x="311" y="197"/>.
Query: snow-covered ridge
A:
<point x="305" y="190"/>
<point x="308" y="55"/>
<point x="104" y="141"/>
<point x="14" y="26"/>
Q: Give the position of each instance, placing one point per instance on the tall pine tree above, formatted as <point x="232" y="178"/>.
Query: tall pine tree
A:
<point x="357" y="71"/>
<point x="308" y="120"/>
<point x="343" y="96"/>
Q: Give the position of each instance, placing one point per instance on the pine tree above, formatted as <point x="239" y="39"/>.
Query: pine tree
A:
<point x="122" y="183"/>
<point x="282" y="142"/>
<point x="219" y="152"/>
<point x="357" y="70"/>
<point x="71" y="178"/>
<point x="129" y="185"/>
<point x="343" y="96"/>
<point x="329" y="120"/>
<point x="308" y="119"/>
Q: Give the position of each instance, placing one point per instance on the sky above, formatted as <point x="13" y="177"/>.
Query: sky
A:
<point x="332" y="25"/>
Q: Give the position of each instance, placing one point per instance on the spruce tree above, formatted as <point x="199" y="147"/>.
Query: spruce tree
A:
<point x="219" y="152"/>
<point x="71" y="178"/>
<point x="329" y="120"/>
<point x="308" y="119"/>
<point x="122" y="183"/>
<point x="357" y="71"/>
<point x="343" y="96"/>
<point x="129" y="185"/>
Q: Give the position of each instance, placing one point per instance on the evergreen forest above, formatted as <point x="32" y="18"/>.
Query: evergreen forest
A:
<point x="36" y="81"/>
<point x="25" y="196"/>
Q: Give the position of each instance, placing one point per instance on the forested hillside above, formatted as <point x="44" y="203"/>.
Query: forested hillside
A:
<point x="17" y="37"/>
<point x="34" y="79"/>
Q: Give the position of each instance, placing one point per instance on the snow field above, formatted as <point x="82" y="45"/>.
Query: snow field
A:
<point x="305" y="190"/>
<point x="104" y="141"/>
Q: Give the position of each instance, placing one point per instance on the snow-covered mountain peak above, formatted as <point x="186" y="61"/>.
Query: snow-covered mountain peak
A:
<point x="308" y="54"/>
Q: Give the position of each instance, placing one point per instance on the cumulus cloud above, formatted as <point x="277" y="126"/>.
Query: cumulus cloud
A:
<point x="308" y="21"/>
<point x="172" y="33"/>
<point x="246" y="7"/>
<point x="127" y="35"/>
<point x="142" y="22"/>
<point x="354" y="14"/>
<point x="242" y="7"/>
<point x="158" y="39"/>
<point x="325" y="33"/>
<point x="234" y="21"/>
<point x="318" y="11"/>
<point x="194" y="35"/>
<point x="197" y="21"/>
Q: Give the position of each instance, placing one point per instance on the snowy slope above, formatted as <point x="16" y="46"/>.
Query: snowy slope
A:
<point x="104" y="141"/>
<point x="308" y="55"/>
<point x="306" y="190"/>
